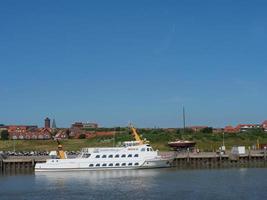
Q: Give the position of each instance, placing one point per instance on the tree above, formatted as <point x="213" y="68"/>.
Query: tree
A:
<point x="68" y="133"/>
<point x="207" y="130"/>
<point x="4" y="135"/>
<point x="82" y="136"/>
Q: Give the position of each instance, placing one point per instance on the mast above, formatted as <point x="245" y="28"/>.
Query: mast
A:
<point x="183" y="119"/>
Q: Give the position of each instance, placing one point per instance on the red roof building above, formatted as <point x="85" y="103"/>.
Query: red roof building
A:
<point x="264" y="125"/>
<point x="230" y="129"/>
<point x="241" y="128"/>
<point x="61" y="135"/>
<point x="34" y="134"/>
<point x="19" y="128"/>
<point x="197" y="128"/>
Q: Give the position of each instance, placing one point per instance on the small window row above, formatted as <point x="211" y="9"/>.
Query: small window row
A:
<point x="111" y="165"/>
<point x="117" y="156"/>
<point x="148" y="149"/>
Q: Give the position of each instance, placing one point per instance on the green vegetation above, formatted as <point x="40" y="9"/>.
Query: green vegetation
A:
<point x="4" y="135"/>
<point x="82" y="136"/>
<point x="158" y="138"/>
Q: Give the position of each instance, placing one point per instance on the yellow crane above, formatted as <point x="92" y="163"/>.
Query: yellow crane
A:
<point x="136" y="136"/>
<point x="60" y="153"/>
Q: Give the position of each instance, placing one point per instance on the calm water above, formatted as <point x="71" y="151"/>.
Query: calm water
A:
<point x="139" y="184"/>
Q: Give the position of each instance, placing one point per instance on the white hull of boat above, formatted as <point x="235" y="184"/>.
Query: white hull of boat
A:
<point x="149" y="164"/>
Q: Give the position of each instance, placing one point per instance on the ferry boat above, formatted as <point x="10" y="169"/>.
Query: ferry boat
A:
<point x="132" y="155"/>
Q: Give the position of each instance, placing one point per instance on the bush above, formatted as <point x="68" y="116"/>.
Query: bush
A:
<point x="4" y="135"/>
<point x="82" y="136"/>
<point x="207" y="130"/>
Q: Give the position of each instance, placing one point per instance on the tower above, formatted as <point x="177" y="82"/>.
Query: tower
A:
<point x="54" y="126"/>
<point x="47" y="122"/>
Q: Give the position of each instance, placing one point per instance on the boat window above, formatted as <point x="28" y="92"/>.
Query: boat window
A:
<point x="130" y="164"/>
<point x="136" y="164"/>
<point x="97" y="165"/>
<point x="86" y="155"/>
<point x="136" y="155"/>
<point x="110" y="156"/>
<point x="147" y="149"/>
<point x="123" y="156"/>
<point x="91" y="165"/>
<point x="143" y="149"/>
<point x="110" y="165"/>
<point x="123" y="164"/>
<point x="104" y="165"/>
<point x="98" y="156"/>
<point x="104" y="156"/>
<point x="117" y="164"/>
<point x="130" y="155"/>
<point x="117" y="156"/>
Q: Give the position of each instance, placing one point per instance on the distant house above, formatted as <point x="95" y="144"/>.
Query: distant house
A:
<point x="3" y="128"/>
<point x="61" y="134"/>
<point x="241" y="128"/>
<point x="246" y="127"/>
<point x="264" y="125"/>
<point x="84" y="125"/>
<point x="217" y="130"/>
<point x="230" y="129"/>
<point x="19" y="128"/>
<point x="33" y="134"/>
<point x="197" y="128"/>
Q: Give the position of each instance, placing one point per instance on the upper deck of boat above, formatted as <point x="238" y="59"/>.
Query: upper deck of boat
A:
<point x="127" y="146"/>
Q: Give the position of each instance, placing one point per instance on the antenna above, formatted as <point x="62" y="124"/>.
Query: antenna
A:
<point x="184" y="118"/>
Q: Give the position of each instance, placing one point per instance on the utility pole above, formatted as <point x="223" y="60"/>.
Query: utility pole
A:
<point x="184" y="119"/>
<point x="223" y="139"/>
<point x="114" y="135"/>
<point x="14" y="148"/>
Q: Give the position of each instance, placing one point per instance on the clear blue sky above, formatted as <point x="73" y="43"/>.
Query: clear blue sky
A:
<point x="118" y="61"/>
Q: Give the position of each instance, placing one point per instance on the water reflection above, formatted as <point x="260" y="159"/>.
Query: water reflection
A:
<point x="96" y="175"/>
<point x="138" y="184"/>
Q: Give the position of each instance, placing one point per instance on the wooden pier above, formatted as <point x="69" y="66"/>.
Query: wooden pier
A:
<point x="182" y="161"/>
<point x="212" y="160"/>
<point x="21" y="163"/>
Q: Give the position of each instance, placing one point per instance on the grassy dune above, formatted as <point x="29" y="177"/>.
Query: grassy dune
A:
<point x="158" y="139"/>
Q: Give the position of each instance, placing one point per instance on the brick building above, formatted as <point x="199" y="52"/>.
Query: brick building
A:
<point x="264" y="125"/>
<point x="84" y="125"/>
<point x="34" y="134"/>
<point x="241" y="128"/>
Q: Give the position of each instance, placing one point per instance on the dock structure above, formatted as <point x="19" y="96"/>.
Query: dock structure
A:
<point x="181" y="161"/>
<point x="20" y="163"/>
<point x="213" y="160"/>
